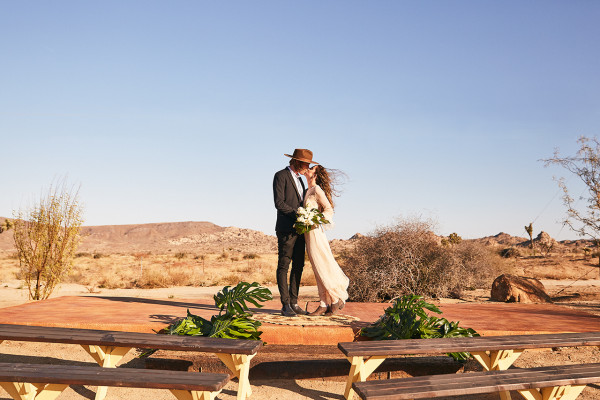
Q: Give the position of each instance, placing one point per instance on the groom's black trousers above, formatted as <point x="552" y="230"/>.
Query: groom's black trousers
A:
<point x="290" y="248"/>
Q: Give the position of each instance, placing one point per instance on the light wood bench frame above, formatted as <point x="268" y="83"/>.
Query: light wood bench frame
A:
<point x="562" y="382"/>
<point x="47" y="381"/>
<point x="494" y="353"/>
<point x="107" y="348"/>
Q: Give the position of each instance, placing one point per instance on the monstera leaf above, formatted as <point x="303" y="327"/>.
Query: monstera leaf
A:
<point x="407" y="319"/>
<point x="234" y="323"/>
<point x="233" y="300"/>
<point x="221" y="326"/>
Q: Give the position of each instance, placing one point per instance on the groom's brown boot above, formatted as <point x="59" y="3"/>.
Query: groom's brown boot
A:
<point x="287" y="311"/>
<point x="298" y="310"/>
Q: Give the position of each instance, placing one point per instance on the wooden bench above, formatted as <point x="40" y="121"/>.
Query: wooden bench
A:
<point x="108" y="347"/>
<point x="564" y="382"/>
<point x="492" y="352"/>
<point x="46" y="382"/>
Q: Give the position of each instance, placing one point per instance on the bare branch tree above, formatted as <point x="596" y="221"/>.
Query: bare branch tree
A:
<point x="585" y="165"/>
<point x="46" y="236"/>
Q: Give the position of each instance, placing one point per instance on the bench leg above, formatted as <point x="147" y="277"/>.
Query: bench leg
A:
<point x="239" y="364"/>
<point x="553" y="393"/>
<point x="194" y="395"/>
<point x="360" y="369"/>
<point x="107" y="357"/>
<point x="497" y="360"/>
<point x="31" y="391"/>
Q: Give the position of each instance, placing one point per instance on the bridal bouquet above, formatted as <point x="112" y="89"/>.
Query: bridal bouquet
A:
<point x="308" y="218"/>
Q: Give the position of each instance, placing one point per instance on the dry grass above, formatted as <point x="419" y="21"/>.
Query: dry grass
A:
<point x="567" y="265"/>
<point x="144" y="270"/>
<point x="9" y="266"/>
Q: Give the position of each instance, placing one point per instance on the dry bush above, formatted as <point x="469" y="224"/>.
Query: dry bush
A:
<point x="407" y="258"/>
<point x="9" y="268"/>
<point x="510" y="252"/>
<point x="46" y="236"/>
<point x="308" y="276"/>
<point x="229" y="279"/>
<point x="470" y="266"/>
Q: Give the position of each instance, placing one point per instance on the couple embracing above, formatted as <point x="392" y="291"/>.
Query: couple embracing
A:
<point x="290" y="193"/>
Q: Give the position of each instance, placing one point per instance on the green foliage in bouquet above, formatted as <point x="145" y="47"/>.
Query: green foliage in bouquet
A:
<point x="308" y="218"/>
<point x="234" y="320"/>
<point x="407" y="319"/>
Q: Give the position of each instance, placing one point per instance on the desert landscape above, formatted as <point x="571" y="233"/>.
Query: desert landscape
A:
<point x="192" y="260"/>
<point x="202" y="254"/>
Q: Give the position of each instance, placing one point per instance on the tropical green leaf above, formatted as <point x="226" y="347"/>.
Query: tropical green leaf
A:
<point x="233" y="300"/>
<point x="235" y="323"/>
<point x="407" y="318"/>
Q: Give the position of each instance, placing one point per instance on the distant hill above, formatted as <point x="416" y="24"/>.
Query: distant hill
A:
<point x="197" y="237"/>
<point x="206" y="237"/>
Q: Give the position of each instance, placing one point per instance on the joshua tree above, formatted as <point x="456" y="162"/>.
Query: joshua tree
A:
<point x="529" y="230"/>
<point x="46" y="237"/>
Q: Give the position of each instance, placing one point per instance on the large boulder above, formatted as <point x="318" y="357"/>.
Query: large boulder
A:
<point x="519" y="289"/>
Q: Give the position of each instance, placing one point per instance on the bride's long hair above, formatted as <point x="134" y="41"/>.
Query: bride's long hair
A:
<point x="329" y="180"/>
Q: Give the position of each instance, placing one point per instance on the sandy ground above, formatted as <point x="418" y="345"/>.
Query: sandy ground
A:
<point x="12" y="294"/>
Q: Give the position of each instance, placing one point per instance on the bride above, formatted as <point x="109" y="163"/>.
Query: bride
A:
<point x="332" y="283"/>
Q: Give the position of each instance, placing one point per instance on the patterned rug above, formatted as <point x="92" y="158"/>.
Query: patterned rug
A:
<point x="303" y="320"/>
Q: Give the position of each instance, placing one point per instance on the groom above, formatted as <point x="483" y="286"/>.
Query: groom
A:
<point x="288" y="192"/>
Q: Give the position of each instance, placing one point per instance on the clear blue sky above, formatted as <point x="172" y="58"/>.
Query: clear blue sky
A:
<point x="182" y="110"/>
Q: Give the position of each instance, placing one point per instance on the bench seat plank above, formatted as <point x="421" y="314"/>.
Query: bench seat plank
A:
<point x="472" y="344"/>
<point x="478" y="382"/>
<point x="121" y="377"/>
<point x="127" y="339"/>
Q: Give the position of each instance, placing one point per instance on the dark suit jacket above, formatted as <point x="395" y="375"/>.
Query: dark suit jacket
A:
<point x="287" y="200"/>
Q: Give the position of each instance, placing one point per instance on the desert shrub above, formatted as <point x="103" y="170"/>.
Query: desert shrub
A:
<point x="229" y="279"/>
<point x="308" y="278"/>
<point x="407" y="258"/>
<point x="46" y="236"/>
<point x="510" y="252"/>
<point x="79" y="255"/>
<point x="98" y="255"/>
<point x="469" y="265"/>
<point x="180" y="255"/>
<point x="251" y="256"/>
<point x="112" y="281"/>
<point x="152" y="278"/>
<point x="224" y="256"/>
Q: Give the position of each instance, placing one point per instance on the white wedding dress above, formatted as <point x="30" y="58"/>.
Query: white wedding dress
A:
<point x="332" y="283"/>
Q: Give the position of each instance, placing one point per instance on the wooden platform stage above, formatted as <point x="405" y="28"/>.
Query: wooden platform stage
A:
<point x="148" y="315"/>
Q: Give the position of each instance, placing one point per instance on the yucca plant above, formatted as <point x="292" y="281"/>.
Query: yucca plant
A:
<point x="407" y="319"/>
<point x="234" y="320"/>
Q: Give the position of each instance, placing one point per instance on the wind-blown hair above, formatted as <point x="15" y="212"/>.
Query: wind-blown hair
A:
<point x="329" y="180"/>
